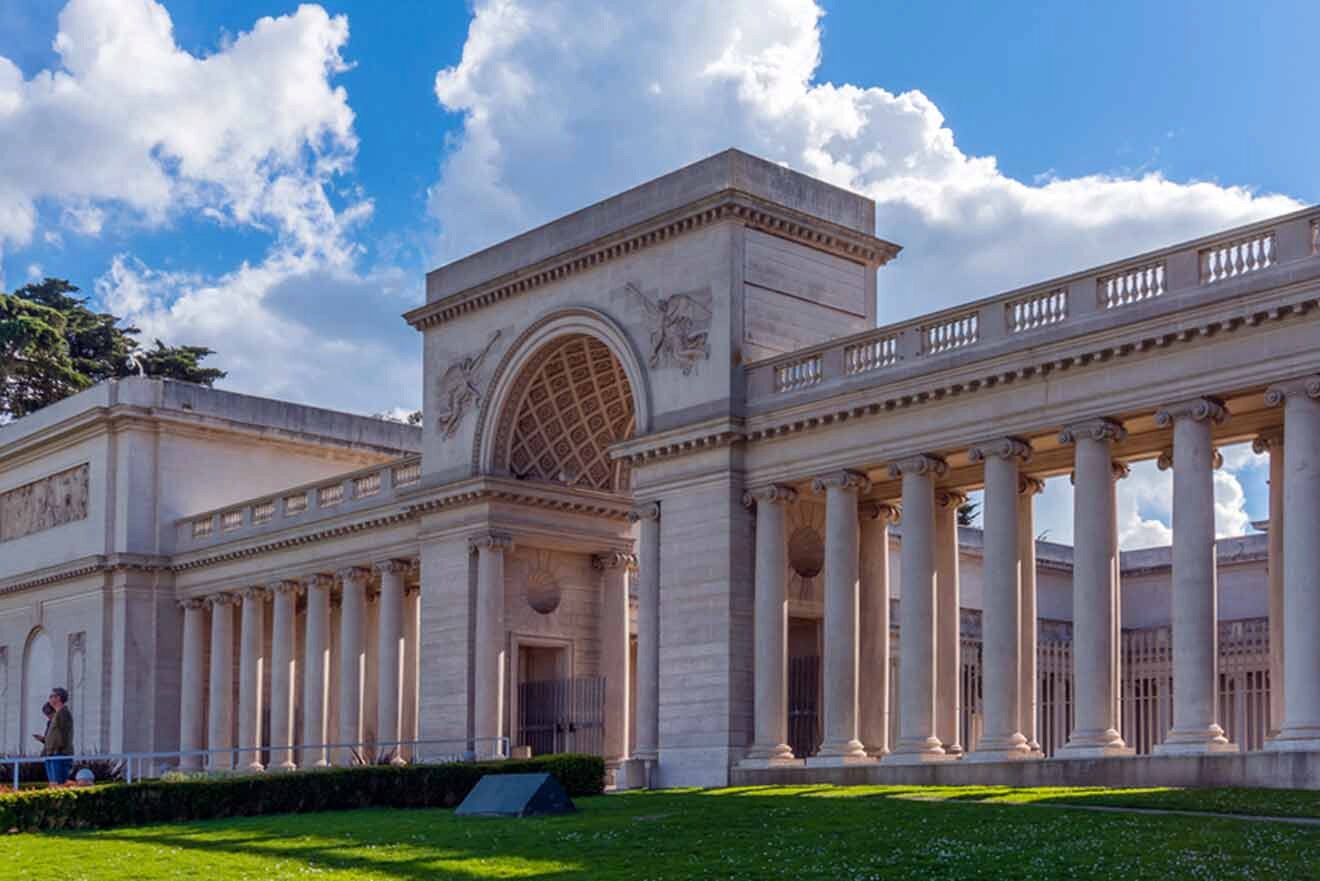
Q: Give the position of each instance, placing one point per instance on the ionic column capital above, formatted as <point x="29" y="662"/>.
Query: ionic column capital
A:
<point x="216" y="600"/>
<point x="492" y="541"/>
<point x="391" y="567"/>
<point x="920" y="464"/>
<point x="769" y="495"/>
<point x="318" y="581"/>
<point x="1290" y="388"/>
<point x="193" y="604"/>
<point x="1196" y="409"/>
<point x="354" y="574"/>
<point x="1267" y="440"/>
<point x="950" y="498"/>
<point x="882" y="511"/>
<point x="1030" y="486"/>
<point x="1003" y="448"/>
<point x="256" y="593"/>
<point x="847" y="480"/>
<point x="613" y="560"/>
<point x="1101" y="429"/>
<point x="644" y="511"/>
<point x="1120" y="470"/>
<point x="287" y="586"/>
<point x="1165" y="460"/>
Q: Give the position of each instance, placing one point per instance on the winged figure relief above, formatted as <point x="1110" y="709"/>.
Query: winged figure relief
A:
<point x="460" y="388"/>
<point x="679" y="328"/>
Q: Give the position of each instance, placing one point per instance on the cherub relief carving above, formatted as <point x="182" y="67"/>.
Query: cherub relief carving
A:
<point x="460" y="387"/>
<point x="680" y="328"/>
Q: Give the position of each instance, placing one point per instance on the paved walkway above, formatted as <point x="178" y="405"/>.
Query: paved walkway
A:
<point x="1115" y="809"/>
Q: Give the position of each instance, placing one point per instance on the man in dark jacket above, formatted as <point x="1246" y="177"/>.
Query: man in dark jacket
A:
<point x="59" y="739"/>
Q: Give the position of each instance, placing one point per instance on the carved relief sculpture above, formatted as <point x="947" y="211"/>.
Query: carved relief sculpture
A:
<point x="680" y="328"/>
<point x="460" y="387"/>
<point x="44" y="504"/>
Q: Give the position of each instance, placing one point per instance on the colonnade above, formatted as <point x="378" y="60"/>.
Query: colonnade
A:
<point x="857" y="592"/>
<point x="301" y="681"/>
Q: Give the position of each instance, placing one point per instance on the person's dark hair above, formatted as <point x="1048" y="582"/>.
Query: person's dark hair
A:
<point x="61" y="694"/>
<point x="47" y="710"/>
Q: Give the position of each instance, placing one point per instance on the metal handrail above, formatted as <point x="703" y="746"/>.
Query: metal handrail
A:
<point x="138" y="761"/>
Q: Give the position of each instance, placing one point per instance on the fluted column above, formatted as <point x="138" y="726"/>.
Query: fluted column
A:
<point x="352" y="661"/>
<point x="1271" y="442"/>
<point x="1195" y="620"/>
<point x="948" y="622"/>
<point x="250" y="663"/>
<point x="770" y="628"/>
<point x="1095" y="605"/>
<point x="839" y="667"/>
<point x="1301" y="564"/>
<point x="389" y="660"/>
<point x="192" y="688"/>
<point x="614" y="568"/>
<point x="283" y="674"/>
<point x="916" y="610"/>
<point x="648" y="630"/>
<point x="220" y="710"/>
<point x="873" y="657"/>
<point x="488" y="724"/>
<point x="1028" y="489"/>
<point x="316" y="670"/>
<point x="1001" y="613"/>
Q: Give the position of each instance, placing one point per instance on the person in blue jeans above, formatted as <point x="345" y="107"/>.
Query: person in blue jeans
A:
<point x="59" y="739"/>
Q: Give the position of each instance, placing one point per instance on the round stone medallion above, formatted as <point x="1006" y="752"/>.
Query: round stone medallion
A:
<point x="806" y="552"/>
<point x="542" y="592"/>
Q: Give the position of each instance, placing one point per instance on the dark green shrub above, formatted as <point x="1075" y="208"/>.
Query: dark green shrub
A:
<point x="158" y="801"/>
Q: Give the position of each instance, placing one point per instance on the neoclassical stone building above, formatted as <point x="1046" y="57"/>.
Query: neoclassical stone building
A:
<point x="677" y="501"/>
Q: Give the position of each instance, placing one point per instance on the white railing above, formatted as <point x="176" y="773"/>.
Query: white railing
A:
<point x="231" y="520"/>
<point x="406" y="474"/>
<point x="798" y="374"/>
<point x="1037" y="310"/>
<point x="1130" y="286"/>
<point x="202" y="527"/>
<point x="263" y="512"/>
<point x="295" y="504"/>
<point x="1239" y="257"/>
<point x="330" y="495"/>
<point x="1051" y="311"/>
<point x="870" y="355"/>
<point x="366" y="485"/>
<point x="952" y="333"/>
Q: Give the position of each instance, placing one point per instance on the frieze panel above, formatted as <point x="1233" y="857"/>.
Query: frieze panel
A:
<point x="679" y="325"/>
<point x="44" y="504"/>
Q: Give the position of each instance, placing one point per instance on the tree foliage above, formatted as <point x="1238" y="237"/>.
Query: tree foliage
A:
<point x="52" y="346"/>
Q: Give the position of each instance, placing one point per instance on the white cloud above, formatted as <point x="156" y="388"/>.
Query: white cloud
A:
<point x="566" y="104"/>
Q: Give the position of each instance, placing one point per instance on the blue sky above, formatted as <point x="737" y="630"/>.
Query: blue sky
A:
<point x="268" y="187"/>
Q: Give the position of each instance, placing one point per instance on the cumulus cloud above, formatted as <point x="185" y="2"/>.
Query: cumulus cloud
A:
<point x="565" y="104"/>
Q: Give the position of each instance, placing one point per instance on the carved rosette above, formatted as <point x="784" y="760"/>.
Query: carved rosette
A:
<point x="769" y="495"/>
<point x="1003" y="448"/>
<point x="491" y="541"/>
<point x="1280" y="391"/>
<point x="1267" y="441"/>
<point x="883" y="511"/>
<point x="921" y="464"/>
<point x="852" y="481"/>
<point x="1102" y="429"/>
<point x="644" y="511"/>
<point x="1030" y="486"/>
<point x="1197" y="409"/>
<point x="950" y="498"/>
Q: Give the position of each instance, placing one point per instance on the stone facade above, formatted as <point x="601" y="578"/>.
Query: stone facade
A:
<point x="666" y="461"/>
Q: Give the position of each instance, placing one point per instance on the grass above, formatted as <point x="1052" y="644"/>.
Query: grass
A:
<point x="794" y="833"/>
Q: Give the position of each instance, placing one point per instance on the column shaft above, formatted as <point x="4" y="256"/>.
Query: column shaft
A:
<point x="873" y="659"/>
<point x="352" y="663"/>
<point x="192" y="733"/>
<point x="948" y="623"/>
<point x="614" y="650"/>
<point x="316" y="670"/>
<point x="770" y="628"/>
<point x="220" y="718"/>
<point x="648" y="631"/>
<point x="389" y="660"/>
<point x="412" y="609"/>
<point x="250" y="664"/>
<point x="283" y="675"/>
<point x="488" y="722"/>
<point x="1028" y="625"/>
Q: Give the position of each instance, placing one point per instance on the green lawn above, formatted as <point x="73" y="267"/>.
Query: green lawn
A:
<point x="754" y="833"/>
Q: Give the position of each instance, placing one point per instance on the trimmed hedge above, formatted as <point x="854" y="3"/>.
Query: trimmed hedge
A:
<point x="159" y="801"/>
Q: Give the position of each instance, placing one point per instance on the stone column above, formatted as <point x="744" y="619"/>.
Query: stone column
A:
<point x="648" y="631"/>
<point x="1095" y="566"/>
<point x="1195" y="619"/>
<point x="352" y="661"/>
<point x="220" y="712"/>
<point x="250" y="668"/>
<point x="614" y="568"/>
<point x="283" y="674"/>
<point x="1301" y="564"/>
<point x="389" y="659"/>
<point x="192" y="688"/>
<point x="873" y="658"/>
<point x="916" y="609"/>
<point x="1001" y="603"/>
<point x="1028" y="625"/>
<point x="948" y="622"/>
<point x="839" y="665"/>
<point x="488" y="722"/>
<point x="770" y="628"/>
<point x="316" y="670"/>
<point x="412" y="611"/>
<point x="1271" y="442"/>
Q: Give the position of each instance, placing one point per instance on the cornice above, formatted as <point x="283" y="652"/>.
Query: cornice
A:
<point x="729" y="205"/>
<point x="96" y="564"/>
<point x="524" y="492"/>
<point x="329" y="530"/>
<point x="712" y="434"/>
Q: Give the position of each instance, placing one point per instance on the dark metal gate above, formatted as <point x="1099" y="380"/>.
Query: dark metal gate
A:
<point x="562" y="715"/>
<point x="804" y="732"/>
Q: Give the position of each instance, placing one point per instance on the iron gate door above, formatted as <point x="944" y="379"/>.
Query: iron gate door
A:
<point x="804" y="705"/>
<point x="562" y="715"/>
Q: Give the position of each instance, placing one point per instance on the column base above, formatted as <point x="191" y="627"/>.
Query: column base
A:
<point x="1295" y="739"/>
<point x="1202" y="741"/>
<point x="952" y="749"/>
<point x="850" y="750"/>
<point x="1000" y="749"/>
<point x="1095" y="745"/>
<point x="877" y="752"/>
<point x="771" y="752"/>
<point x="918" y="751"/>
